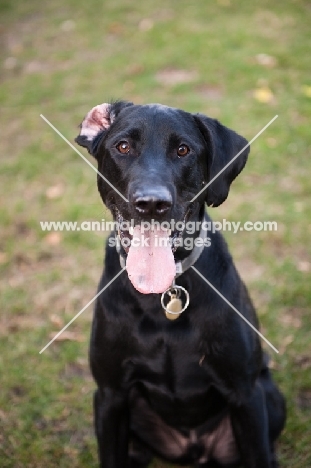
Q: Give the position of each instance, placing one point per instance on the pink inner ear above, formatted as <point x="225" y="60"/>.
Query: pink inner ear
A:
<point x="96" y="120"/>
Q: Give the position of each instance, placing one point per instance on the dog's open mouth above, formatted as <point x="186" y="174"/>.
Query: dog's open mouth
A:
<point x="150" y="261"/>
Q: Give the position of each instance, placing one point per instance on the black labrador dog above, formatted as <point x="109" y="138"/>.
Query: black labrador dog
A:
<point x="196" y="390"/>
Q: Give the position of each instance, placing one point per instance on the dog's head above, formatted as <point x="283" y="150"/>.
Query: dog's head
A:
<point x="160" y="158"/>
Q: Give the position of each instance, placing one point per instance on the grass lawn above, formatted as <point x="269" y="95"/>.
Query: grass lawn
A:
<point x="238" y="61"/>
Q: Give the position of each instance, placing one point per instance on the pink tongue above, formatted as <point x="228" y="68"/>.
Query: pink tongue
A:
<point x="150" y="262"/>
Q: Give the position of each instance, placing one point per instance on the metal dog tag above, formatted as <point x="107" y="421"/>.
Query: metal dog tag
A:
<point x="174" y="305"/>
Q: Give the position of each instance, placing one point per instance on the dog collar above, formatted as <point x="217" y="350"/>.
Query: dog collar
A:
<point x="186" y="263"/>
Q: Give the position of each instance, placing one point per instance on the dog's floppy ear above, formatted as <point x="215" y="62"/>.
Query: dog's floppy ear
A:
<point x="97" y="121"/>
<point x="223" y="145"/>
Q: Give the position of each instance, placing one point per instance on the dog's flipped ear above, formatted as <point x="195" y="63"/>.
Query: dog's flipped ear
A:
<point x="223" y="145"/>
<point x="97" y="121"/>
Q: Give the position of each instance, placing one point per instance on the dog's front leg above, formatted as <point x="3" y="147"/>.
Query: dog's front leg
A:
<point x="250" y="426"/>
<point x="112" y="428"/>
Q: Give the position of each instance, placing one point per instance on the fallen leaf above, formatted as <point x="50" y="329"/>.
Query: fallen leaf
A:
<point x="135" y="69"/>
<point x="290" y="321"/>
<point x="35" y="66"/>
<point x="3" y="257"/>
<point x="115" y="28"/>
<point x="67" y="336"/>
<point x="68" y="25"/>
<point x="56" y="320"/>
<point x="304" y="266"/>
<point x="145" y="24"/>
<point x="171" y="76"/>
<point x="210" y="92"/>
<point x="266" y="60"/>
<point x="273" y="364"/>
<point x="306" y="91"/>
<point x="263" y="95"/>
<point x="53" y="238"/>
<point x="54" y="191"/>
<point x="272" y="142"/>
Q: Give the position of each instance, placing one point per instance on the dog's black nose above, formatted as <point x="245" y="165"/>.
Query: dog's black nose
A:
<point x="152" y="202"/>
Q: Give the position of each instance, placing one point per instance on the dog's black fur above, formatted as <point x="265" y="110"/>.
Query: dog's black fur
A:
<point x="196" y="390"/>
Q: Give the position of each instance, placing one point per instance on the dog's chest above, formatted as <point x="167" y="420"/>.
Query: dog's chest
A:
<point x="176" y="407"/>
<point x="175" y="381"/>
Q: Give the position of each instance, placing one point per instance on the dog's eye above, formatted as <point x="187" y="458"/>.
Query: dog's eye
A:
<point x="123" y="147"/>
<point x="183" y="150"/>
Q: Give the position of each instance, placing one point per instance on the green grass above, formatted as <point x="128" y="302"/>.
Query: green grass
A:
<point x="62" y="58"/>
